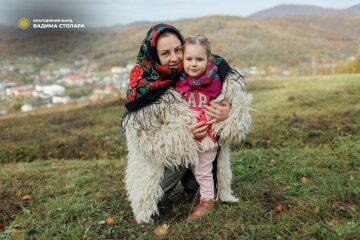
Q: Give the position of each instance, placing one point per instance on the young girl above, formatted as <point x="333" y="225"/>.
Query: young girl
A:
<point x="199" y="85"/>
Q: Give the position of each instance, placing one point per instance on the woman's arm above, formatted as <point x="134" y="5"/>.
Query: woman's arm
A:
<point x="166" y="140"/>
<point x="168" y="144"/>
<point x="218" y="111"/>
<point x="237" y="124"/>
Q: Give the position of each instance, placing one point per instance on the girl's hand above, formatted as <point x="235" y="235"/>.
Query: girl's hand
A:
<point x="217" y="111"/>
<point x="198" y="130"/>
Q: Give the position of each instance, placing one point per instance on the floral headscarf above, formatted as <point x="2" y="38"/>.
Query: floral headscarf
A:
<point x="148" y="79"/>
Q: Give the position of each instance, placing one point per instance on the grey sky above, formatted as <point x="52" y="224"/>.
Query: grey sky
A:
<point x="111" y="12"/>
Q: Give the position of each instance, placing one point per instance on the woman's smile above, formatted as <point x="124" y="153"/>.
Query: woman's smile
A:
<point x="174" y="65"/>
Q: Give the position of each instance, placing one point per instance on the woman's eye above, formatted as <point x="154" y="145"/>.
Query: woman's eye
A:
<point x="178" y="50"/>
<point x="165" y="54"/>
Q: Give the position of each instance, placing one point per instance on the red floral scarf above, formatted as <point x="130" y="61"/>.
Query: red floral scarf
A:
<point x="148" y="79"/>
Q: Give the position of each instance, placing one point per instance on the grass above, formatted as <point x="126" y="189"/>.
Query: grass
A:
<point x="90" y="133"/>
<point x="297" y="174"/>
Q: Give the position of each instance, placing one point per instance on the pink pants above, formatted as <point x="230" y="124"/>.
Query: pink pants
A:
<point x="203" y="174"/>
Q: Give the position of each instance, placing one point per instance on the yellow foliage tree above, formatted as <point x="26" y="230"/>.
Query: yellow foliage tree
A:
<point x="353" y="67"/>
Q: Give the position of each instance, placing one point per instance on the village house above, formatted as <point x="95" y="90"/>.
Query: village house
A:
<point x="48" y="91"/>
<point x="74" y="80"/>
<point x="2" y="91"/>
<point x="100" y="94"/>
<point x="63" y="100"/>
<point x="120" y="77"/>
<point x="3" y="111"/>
<point x="118" y="70"/>
<point x="27" y="107"/>
<point x="129" y="67"/>
<point x="20" y="91"/>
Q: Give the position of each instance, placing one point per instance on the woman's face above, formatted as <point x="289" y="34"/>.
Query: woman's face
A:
<point x="169" y="50"/>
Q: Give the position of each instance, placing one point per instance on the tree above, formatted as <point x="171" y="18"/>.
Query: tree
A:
<point x="356" y="65"/>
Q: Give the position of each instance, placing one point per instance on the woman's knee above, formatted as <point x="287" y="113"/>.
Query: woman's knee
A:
<point x="189" y="182"/>
<point x="171" y="177"/>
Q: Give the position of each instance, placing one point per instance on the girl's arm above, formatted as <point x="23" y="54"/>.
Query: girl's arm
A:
<point x="218" y="111"/>
<point x="198" y="130"/>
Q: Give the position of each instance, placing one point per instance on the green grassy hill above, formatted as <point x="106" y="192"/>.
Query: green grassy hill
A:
<point x="288" y="42"/>
<point x="297" y="174"/>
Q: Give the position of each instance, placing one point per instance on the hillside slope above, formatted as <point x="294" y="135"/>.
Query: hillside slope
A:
<point x="244" y="42"/>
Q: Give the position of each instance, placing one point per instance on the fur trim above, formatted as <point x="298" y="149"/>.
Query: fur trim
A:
<point x="235" y="127"/>
<point x="164" y="143"/>
<point x="168" y="141"/>
<point x="206" y="144"/>
<point x="224" y="175"/>
<point x="153" y="114"/>
<point x="143" y="186"/>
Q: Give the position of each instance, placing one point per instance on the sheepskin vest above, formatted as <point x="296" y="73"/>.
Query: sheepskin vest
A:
<point x="157" y="139"/>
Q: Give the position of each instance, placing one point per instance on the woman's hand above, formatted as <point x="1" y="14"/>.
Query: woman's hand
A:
<point x="199" y="129"/>
<point x="217" y="111"/>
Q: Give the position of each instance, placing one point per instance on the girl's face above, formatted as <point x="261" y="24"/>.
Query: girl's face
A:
<point x="195" y="60"/>
<point x="169" y="50"/>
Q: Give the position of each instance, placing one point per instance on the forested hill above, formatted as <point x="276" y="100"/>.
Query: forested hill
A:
<point x="286" y="41"/>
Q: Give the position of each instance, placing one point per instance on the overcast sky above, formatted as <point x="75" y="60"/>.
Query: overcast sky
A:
<point x="112" y="12"/>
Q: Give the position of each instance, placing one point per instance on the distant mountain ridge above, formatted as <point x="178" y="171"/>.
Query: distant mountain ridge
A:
<point x="288" y="41"/>
<point x="285" y="10"/>
<point x="355" y="8"/>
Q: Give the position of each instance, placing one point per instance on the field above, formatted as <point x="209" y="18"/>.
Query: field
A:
<point x="297" y="174"/>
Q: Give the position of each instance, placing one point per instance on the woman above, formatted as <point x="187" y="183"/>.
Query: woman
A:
<point x="161" y="128"/>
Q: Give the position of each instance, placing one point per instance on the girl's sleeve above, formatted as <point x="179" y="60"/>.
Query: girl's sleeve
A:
<point x="236" y="126"/>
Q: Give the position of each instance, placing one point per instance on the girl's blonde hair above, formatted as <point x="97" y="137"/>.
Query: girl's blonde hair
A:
<point x="199" y="40"/>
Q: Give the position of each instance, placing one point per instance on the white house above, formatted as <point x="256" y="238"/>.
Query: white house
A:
<point x="129" y="67"/>
<point x="2" y="90"/>
<point x="49" y="90"/>
<point x="26" y="108"/>
<point x="120" y="76"/>
<point x="3" y="111"/>
<point x="64" y="71"/>
<point x="118" y="70"/>
<point x="120" y="82"/>
<point x="63" y="100"/>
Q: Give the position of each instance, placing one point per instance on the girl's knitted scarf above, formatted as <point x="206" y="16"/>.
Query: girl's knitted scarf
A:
<point x="209" y="83"/>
